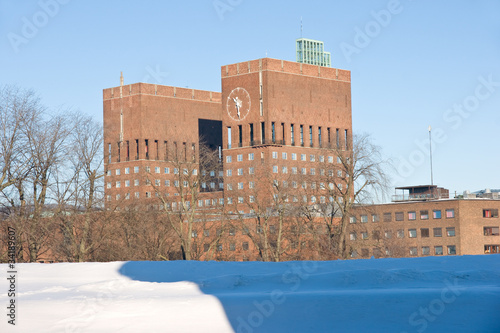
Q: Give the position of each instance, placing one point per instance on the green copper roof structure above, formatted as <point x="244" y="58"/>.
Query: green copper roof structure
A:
<point x="312" y="52"/>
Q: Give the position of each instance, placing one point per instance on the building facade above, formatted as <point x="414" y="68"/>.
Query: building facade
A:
<point x="274" y="122"/>
<point x="419" y="227"/>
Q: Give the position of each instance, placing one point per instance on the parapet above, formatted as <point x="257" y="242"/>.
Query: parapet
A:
<point x="161" y="90"/>
<point x="291" y="67"/>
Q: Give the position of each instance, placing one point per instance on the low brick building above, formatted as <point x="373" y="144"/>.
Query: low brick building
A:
<point x="425" y="224"/>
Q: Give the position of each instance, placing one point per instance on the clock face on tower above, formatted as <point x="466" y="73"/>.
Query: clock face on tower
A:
<point x="238" y="104"/>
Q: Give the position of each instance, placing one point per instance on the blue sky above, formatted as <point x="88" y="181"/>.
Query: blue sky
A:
<point x="413" y="63"/>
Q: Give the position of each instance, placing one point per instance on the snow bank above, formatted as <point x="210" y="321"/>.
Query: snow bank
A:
<point x="434" y="294"/>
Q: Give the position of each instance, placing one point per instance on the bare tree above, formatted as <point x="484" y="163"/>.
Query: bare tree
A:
<point x="356" y="177"/>
<point x="179" y="203"/>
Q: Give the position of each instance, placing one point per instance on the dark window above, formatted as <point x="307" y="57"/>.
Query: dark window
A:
<point x="490" y="212"/>
<point x="424" y="232"/>
<point x="245" y="246"/>
<point x="387" y="217"/>
<point x="232" y="247"/>
<point x="492" y="248"/>
<point x="438" y="232"/>
<point x="206" y="247"/>
<point x="400" y="216"/>
<point x="365" y="253"/>
<point x="491" y="231"/>
<point x="450" y="232"/>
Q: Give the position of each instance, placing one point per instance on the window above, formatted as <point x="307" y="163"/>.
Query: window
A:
<point x="284" y="156"/>
<point x="245" y="246"/>
<point x="375" y="218"/>
<point x="490" y="212"/>
<point x="108" y="185"/>
<point x="412" y="233"/>
<point x="424" y="214"/>
<point x="491" y="231"/>
<point x="401" y="233"/>
<point x="313" y="171"/>
<point x="127" y="171"/>
<point x="294" y="156"/>
<point x="302" y="157"/>
<point x="275" y="154"/>
<point x="330" y="159"/>
<point x="194" y="234"/>
<point x="412" y="216"/>
<point x="399" y="216"/>
<point x="229" y="172"/>
<point x="354" y="254"/>
<point x="176" y="171"/>
<point x="452" y="249"/>
<point x="240" y="172"/>
<point x="240" y="200"/>
<point x="275" y="169"/>
<point x="364" y="235"/>
<point x="294" y="170"/>
<point x="321" y="158"/>
<point x="240" y="186"/>
<point x="251" y="170"/>
<point x="303" y="171"/>
<point x="108" y="173"/>
<point x="388" y="234"/>
<point x="450" y="232"/>
<point x="424" y="232"/>
<point x="436" y="214"/>
<point x="426" y="250"/>
<point x="157" y="182"/>
<point x="229" y="187"/>
<point x="376" y="234"/>
<point x="157" y="169"/>
<point x="438" y="250"/>
<point x="352" y="219"/>
<point x="251" y="199"/>
<point x="137" y="194"/>
<point x="206" y="247"/>
<point x="136" y="182"/>
<point x="352" y="236"/>
<point x="364" y="218"/>
<point x="438" y="232"/>
<point x="413" y="251"/>
<point x="450" y="213"/>
<point x="312" y="158"/>
<point x="492" y="249"/>
<point x="240" y="157"/>
<point x="229" y="159"/>
<point x="250" y="157"/>
<point x="127" y="183"/>
<point x="387" y="217"/>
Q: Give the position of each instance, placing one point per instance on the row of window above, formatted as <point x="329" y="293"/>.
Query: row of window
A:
<point x="154" y="151"/>
<point x="284" y="156"/>
<point x="412" y="233"/>
<point x="411" y="216"/>
<point x="413" y="251"/>
<point x="423" y="215"/>
<point x="158" y="170"/>
<point x="278" y="136"/>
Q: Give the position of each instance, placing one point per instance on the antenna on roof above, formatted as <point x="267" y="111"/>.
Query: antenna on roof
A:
<point x="301" y="27"/>
<point x="430" y="151"/>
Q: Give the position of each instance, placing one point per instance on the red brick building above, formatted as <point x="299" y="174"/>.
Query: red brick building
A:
<point x="274" y="120"/>
<point x="425" y="222"/>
